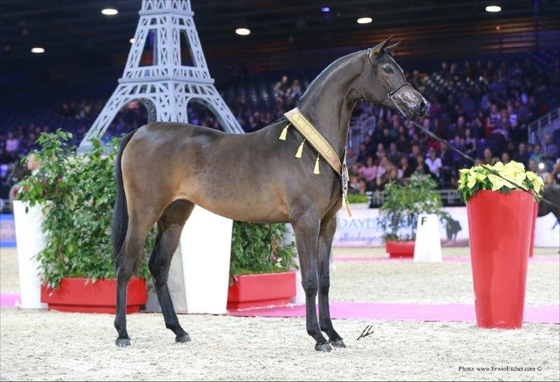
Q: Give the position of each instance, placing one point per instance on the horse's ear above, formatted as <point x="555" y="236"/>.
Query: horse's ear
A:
<point x="392" y="48"/>
<point x="376" y="50"/>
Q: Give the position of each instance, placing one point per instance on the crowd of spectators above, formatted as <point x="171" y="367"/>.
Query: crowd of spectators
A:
<point x="481" y="108"/>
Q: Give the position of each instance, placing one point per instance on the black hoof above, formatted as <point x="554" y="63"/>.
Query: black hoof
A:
<point x="183" y="338"/>
<point x="338" y="343"/>
<point x="325" y="348"/>
<point x="122" y="342"/>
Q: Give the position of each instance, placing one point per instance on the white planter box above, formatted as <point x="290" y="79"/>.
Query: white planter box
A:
<point x="30" y="241"/>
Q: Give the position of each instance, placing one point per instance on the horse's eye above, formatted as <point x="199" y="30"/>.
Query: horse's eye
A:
<point x="388" y="70"/>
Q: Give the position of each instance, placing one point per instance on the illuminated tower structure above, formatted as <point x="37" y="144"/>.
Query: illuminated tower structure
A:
<point x="169" y="81"/>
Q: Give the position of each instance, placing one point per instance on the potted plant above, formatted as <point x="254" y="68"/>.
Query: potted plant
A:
<point x="398" y="215"/>
<point x="358" y="201"/>
<point x="261" y="267"/>
<point x="77" y="193"/>
<point x="501" y="203"/>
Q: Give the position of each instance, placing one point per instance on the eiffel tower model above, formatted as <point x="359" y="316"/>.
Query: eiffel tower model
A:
<point x="166" y="84"/>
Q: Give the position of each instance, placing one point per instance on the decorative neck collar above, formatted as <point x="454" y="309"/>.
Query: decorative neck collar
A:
<point x="323" y="147"/>
<point x="311" y="134"/>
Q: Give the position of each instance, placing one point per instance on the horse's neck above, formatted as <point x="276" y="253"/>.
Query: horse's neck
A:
<point x="329" y="101"/>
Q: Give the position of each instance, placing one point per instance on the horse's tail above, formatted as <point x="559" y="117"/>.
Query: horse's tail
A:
<point x="120" y="212"/>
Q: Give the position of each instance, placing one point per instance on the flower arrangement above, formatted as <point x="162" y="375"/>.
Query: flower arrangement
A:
<point x="498" y="177"/>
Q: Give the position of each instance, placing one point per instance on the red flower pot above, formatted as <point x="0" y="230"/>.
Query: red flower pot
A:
<point x="260" y="290"/>
<point x="500" y="232"/>
<point x="400" y="248"/>
<point x="534" y="226"/>
<point x="82" y="295"/>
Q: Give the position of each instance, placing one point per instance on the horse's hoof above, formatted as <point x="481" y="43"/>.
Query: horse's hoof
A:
<point x="183" y="338"/>
<point x="122" y="342"/>
<point x="338" y="343"/>
<point x="325" y="348"/>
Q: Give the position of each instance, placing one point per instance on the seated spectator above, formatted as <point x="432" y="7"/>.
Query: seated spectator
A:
<point x="522" y="155"/>
<point x="549" y="151"/>
<point x="405" y="169"/>
<point x="421" y="166"/>
<point x="369" y="173"/>
<point x="554" y="177"/>
<point x="536" y="155"/>
<point x="488" y="158"/>
<point x="434" y="164"/>
<point x="448" y="166"/>
<point x="393" y="154"/>
<point x="504" y="158"/>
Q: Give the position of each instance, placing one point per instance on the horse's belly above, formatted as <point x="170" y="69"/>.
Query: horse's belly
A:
<point x="241" y="209"/>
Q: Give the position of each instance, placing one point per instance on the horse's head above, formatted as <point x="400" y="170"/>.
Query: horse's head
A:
<point x="397" y="91"/>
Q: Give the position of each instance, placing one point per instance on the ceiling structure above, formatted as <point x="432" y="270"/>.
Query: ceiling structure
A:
<point x="76" y="29"/>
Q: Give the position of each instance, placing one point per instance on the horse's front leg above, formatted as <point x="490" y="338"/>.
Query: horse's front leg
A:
<point x="306" y="231"/>
<point x="325" y="244"/>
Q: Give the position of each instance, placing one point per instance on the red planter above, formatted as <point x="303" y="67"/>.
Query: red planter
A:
<point x="400" y="248"/>
<point x="255" y="291"/>
<point x="500" y="233"/>
<point x="81" y="295"/>
<point x="533" y="227"/>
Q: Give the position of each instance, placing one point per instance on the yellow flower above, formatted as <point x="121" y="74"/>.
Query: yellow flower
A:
<point x="497" y="177"/>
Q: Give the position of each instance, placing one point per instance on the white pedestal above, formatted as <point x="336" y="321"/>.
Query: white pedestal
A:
<point x="30" y="241"/>
<point x="205" y="254"/>
<point x="428" y="245"/>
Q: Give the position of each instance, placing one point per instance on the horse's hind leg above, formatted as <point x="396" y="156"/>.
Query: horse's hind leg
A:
<point x="170" y="226"/>
<point x="324" y="251"/>
<point x="126" y="262"/>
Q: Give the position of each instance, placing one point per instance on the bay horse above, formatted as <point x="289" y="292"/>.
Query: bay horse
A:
<point x="164" y="169"/>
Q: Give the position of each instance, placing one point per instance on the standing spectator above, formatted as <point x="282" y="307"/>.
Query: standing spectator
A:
<point x="281" y="90"/>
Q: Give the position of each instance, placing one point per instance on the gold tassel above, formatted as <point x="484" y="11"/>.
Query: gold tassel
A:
<point x="300" y="149"/>
<point x="316" y="170"/>
<point x="284" y="132"/>
<point x="345" y="201"/>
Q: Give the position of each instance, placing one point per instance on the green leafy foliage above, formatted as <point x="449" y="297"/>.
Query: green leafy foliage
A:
<point x="78" y="194"/>
<point x="398" y="215"/>
<point x="357" y="198"/>
<point x="260" y="248"/>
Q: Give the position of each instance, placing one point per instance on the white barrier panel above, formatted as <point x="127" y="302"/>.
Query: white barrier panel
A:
<point x="30" y="241"/>
<point x="427" y="246"/>
<point x="205" y="250"/>
<point x="361" y="230"/>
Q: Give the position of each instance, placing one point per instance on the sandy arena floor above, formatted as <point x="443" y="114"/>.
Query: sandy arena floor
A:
<point x="41" y="345"/>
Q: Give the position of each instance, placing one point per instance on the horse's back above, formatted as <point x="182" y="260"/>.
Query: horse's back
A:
<point x="229" y="174"/>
